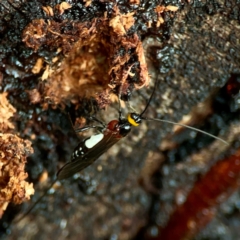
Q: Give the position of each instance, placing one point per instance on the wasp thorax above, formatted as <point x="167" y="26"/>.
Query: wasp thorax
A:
<point x="124" y="127"/>
<point x="134" y="119"/>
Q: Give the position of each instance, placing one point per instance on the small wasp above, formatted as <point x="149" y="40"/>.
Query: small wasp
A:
<point x="91" y="148"/>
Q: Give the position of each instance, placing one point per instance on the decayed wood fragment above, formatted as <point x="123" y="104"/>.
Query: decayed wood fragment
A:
<point x="13" y="155"/>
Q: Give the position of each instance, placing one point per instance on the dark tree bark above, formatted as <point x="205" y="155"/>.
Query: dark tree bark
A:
<point x="137" y="188"/>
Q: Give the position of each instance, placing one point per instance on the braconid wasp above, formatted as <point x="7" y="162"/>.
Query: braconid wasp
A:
<point x="91" y="148"/>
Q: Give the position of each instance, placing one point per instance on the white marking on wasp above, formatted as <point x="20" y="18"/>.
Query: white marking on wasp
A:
<point x="76" y="153"/>
<point x="92" y="141"/>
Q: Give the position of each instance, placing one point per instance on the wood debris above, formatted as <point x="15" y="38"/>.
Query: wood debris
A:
<point x="98" y="53"/>
<point x="38" y="66"/>
<point x="62" y="7"/>
<point x="161" y="9"/>
<point x="13" y="155"/>
<point x="6" y="112"/>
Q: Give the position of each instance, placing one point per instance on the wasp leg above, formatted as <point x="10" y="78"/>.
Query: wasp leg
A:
<point x="97" y="120"/>
<point x="83" y="129"/>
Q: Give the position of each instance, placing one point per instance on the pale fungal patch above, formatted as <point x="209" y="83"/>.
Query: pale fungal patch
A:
<point x="92" y="141"/>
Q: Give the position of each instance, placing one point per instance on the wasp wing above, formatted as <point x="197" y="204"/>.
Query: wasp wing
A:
<point x="69" y="169"/>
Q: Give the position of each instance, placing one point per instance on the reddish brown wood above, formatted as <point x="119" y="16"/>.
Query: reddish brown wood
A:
<point x="199" y="208"/>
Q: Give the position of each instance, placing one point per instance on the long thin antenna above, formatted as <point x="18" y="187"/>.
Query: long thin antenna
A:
<point x="39" y="199"/>
<point x="119" y="103"/>
<point x="186" y="126"/>
<point x="150" y="99"/>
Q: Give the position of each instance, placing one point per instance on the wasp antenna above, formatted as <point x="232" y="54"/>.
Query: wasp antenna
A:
<point x="69" y="117"/>
<point x="186" y="126"/>
<point x="120" y="92"/>
<point x="34" y="204"/>
<point x="98" y="121"/>
<point x="119" y="105"/>
<point x="150" y="99"/>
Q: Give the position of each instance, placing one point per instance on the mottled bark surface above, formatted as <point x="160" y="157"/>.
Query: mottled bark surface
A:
<point x="138" y="187"/>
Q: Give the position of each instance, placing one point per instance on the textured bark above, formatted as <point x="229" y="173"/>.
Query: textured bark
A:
<point x="192" y="50"/>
